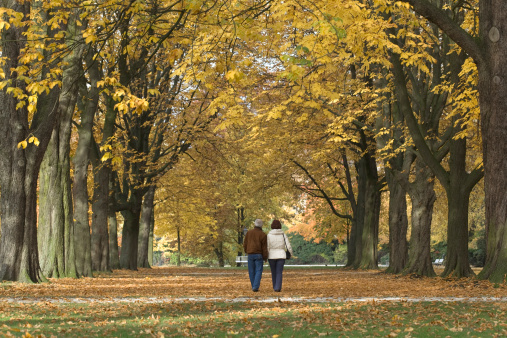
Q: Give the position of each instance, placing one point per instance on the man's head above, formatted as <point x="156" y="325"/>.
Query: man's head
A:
<point x="258" y="223"/>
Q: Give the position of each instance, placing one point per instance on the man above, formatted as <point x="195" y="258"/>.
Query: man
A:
<point x="256" y="247"/>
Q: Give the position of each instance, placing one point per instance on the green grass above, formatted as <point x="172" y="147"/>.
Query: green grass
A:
<point x="381" y="319"/>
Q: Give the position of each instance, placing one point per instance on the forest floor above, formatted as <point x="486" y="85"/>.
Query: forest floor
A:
<point x="190" y="301"/>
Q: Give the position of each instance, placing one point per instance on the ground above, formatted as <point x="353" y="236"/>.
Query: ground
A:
<point x="188" y="301"/>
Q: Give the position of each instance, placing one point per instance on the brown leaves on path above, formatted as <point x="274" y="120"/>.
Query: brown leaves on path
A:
<point x="231" y="283"/>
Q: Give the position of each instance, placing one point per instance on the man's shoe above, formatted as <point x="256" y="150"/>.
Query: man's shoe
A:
<point x="255" y="290"/>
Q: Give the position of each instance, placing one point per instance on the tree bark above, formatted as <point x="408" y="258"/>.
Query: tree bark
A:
<point x="130" y="236"/>
<point x="398" y="225"/>
<point x="19" y="168"/>
<point x="145" y="228"/>
<point x="56" y="226"/>
<point x="458" y="195"/>
<point x="367" y="214"/>
<point x="493" y="103"/>
<point x="489" y="52"/>
<point x="423" y="198"/>
<point x="113" y="240"/>
<point x="88" y="107"/>
<point x="151" y="241"/>
<point x="100" y="236"/>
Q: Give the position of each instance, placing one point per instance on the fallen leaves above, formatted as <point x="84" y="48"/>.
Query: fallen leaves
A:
<point x="234" y="283"/>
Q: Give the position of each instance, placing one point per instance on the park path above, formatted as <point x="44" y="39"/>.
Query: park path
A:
<point x="258" y="299"/>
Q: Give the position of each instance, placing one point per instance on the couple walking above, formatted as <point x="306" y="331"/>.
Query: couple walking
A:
<point x="261" y="247"/>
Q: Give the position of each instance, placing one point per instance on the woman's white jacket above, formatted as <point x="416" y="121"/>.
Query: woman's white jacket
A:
<point x="276" y="244"/>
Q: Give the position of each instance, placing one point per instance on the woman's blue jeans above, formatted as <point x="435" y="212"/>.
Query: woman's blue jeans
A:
<point x="276" y="266"/>
<point x="255" y="266"/>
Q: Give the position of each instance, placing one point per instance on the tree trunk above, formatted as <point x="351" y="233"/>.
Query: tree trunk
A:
<point x="241" y="217"/>
<point x="88" y="107"/>
<point x="359" y="215"/>
<point x="145" y="228"/>
<point x="151" y="242"/>
<point x="457" y="263"/>
<point x="219" y="251"/>
<point x="367" y="219"/>
<point x="423" y="198"/>
<point x="19" y="168"/>
<point x="398" y="225"/>
<point x="100" y="236"/>
<point x="56" y="226"/>
<point x="114" y="257"/>
<point x="54" y="204"/>
<point x="130" y="238"/>
<point x="80" y="193"/>
<point x="493" y="103"/>
<point x="489" y="52"/>
<point x="371" y="224"/>
<point x="178" y="258"/>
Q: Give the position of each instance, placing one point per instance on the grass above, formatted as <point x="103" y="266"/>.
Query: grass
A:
<point x="210" y="319"/>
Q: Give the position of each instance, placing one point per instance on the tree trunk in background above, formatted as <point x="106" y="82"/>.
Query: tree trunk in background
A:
<point x="359" y="215"/>
<point x="151" y="241"/>
<point x="371" y="221"/>
<point x="240" y="212"/>
<point x="145" y="228"/>
<point x="80" y="193"/>
<point x="130" y="238"/>
<point x="114" y="257"/>
<point x="219" y="251"/>
<point x="178" y="259"/>
<point x="100" y="236"/>
<point x="398" y="225"/>
<point x="367" y="219"/>
<point x="423" y="198"/>
<point x="88" y="107"/>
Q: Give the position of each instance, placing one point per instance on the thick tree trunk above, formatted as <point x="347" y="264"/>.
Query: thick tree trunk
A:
<point x="55" y="230"/>
<point x="423" y="198"/>
<point x="88" y="107"/>
<point x="398" y="225"/>
<point x="493" y="102"/>
<point x="489" y="52"/>
<point x="114" y="257"/>
<point x="371" y="225"/>
<point x="145" y="228"/>
<point x="100" y="236"/>
<point x="56" y="225"/>
<point x="80" y="193"/>
<point x="130" y="238"/>
<point x="359" y="215"/>
<point x="458" y="195"/>
<point x="19" y="168"/>
<point x="351" y="244"/>
<point x="367" y="215"/>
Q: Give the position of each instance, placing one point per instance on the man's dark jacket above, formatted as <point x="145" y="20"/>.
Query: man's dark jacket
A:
<point x="256" y="242"/>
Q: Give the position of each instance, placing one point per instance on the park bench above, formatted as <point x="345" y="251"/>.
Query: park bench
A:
<point x="439" y="261"/>
<point x="243" y="260"/>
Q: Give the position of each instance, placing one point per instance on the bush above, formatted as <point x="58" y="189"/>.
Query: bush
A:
<point x="309" y="252"/>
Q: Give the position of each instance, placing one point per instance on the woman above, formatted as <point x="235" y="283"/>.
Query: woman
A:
<point x="277" y="244"/>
